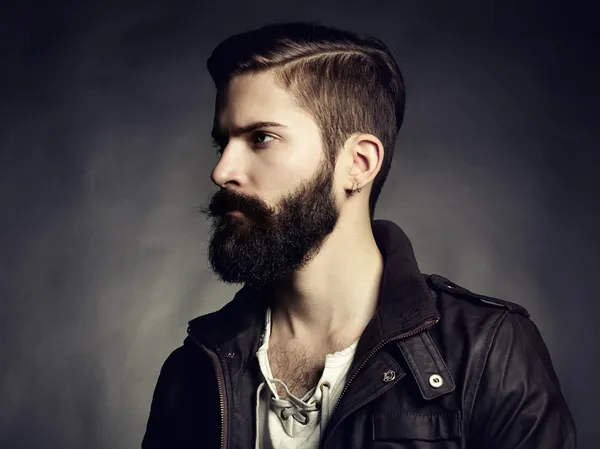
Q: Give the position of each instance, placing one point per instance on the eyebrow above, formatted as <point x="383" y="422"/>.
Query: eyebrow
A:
<point x="217" y="133"/>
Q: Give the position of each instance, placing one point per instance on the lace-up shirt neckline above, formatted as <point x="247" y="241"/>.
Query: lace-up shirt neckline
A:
<point x="297" y="422"/>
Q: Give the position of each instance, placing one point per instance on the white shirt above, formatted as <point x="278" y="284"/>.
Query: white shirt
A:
<point x="290" y="431"/>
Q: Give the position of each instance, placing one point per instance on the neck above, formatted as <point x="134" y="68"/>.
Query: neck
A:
<point x="333" y="298"/>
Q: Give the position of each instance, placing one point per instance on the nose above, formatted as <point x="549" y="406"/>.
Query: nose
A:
<point x="225" y="172"/>
<point x="218" y="179"/>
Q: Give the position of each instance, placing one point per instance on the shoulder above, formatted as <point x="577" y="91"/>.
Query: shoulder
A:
<point x="184" y="362"/>
<point x="450" y="291"/>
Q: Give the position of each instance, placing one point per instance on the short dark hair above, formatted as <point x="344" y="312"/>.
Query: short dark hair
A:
<point x="348" y="83"/>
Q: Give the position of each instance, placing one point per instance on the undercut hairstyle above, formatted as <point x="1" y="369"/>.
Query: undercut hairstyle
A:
<point x="346" y="82"/>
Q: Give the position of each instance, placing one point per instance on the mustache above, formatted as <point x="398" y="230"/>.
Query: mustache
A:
<point x="225" y="201"/>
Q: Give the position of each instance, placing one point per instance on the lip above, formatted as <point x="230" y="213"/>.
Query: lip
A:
<point x="235" y="213"/>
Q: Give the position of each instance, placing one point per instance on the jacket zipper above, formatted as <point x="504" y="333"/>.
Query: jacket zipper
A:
<point x="220" y="385"/>
<point x="421" y="328"/>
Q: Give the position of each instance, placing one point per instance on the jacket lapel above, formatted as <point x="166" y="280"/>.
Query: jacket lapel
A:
<point x="406" y="306"/>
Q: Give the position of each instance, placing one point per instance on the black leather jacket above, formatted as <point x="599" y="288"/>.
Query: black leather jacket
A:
<point x="437" y="367"/>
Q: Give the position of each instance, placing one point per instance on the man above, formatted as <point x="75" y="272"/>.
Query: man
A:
<point x="336" y="339"/>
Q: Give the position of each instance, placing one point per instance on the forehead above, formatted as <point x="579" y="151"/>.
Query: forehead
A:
<point x="257" y="97"/>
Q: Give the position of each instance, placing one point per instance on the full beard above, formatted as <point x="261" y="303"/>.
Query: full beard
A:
<point x="269" y="250"/>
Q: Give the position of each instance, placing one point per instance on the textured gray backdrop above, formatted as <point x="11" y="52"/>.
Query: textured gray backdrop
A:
<point x="105" y="154"/>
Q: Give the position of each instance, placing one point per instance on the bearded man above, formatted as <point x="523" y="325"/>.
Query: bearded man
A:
<point x="336" y="339"/>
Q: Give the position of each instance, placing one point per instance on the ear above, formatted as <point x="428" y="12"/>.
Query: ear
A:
<point x="366" y="152"/>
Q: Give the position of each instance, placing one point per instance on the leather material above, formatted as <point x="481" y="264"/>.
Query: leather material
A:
<point x="437" y="367"/>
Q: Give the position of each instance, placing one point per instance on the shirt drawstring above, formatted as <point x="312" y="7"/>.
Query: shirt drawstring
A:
<point x="325" y="387"/>
<point x="258" y="420"/>
<point x="297" y="409"/>
<point x="298" y="406"/>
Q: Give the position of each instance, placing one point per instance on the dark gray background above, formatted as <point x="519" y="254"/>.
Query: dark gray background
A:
<point x="106" y="110"/>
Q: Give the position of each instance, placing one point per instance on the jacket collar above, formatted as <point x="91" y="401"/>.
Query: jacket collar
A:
<point x="405" y="304"/>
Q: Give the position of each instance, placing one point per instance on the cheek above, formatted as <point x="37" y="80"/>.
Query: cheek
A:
<point x="340" y="176"/>
<point x="291" y="169"/>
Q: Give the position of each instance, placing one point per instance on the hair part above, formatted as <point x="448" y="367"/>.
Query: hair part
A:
<point x="348" y="83"/>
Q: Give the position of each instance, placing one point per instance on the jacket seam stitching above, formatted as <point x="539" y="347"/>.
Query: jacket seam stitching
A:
<point x="483" y="362"/>
<point x="412" y="361"/>
<point x="436" y="356"/>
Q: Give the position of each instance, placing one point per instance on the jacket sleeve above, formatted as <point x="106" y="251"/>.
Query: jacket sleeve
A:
<point x="519" y="403"/>
<point x="159" y="425"/>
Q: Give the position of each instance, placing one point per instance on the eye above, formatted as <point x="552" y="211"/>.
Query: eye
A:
<point x="259" y="138"/>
